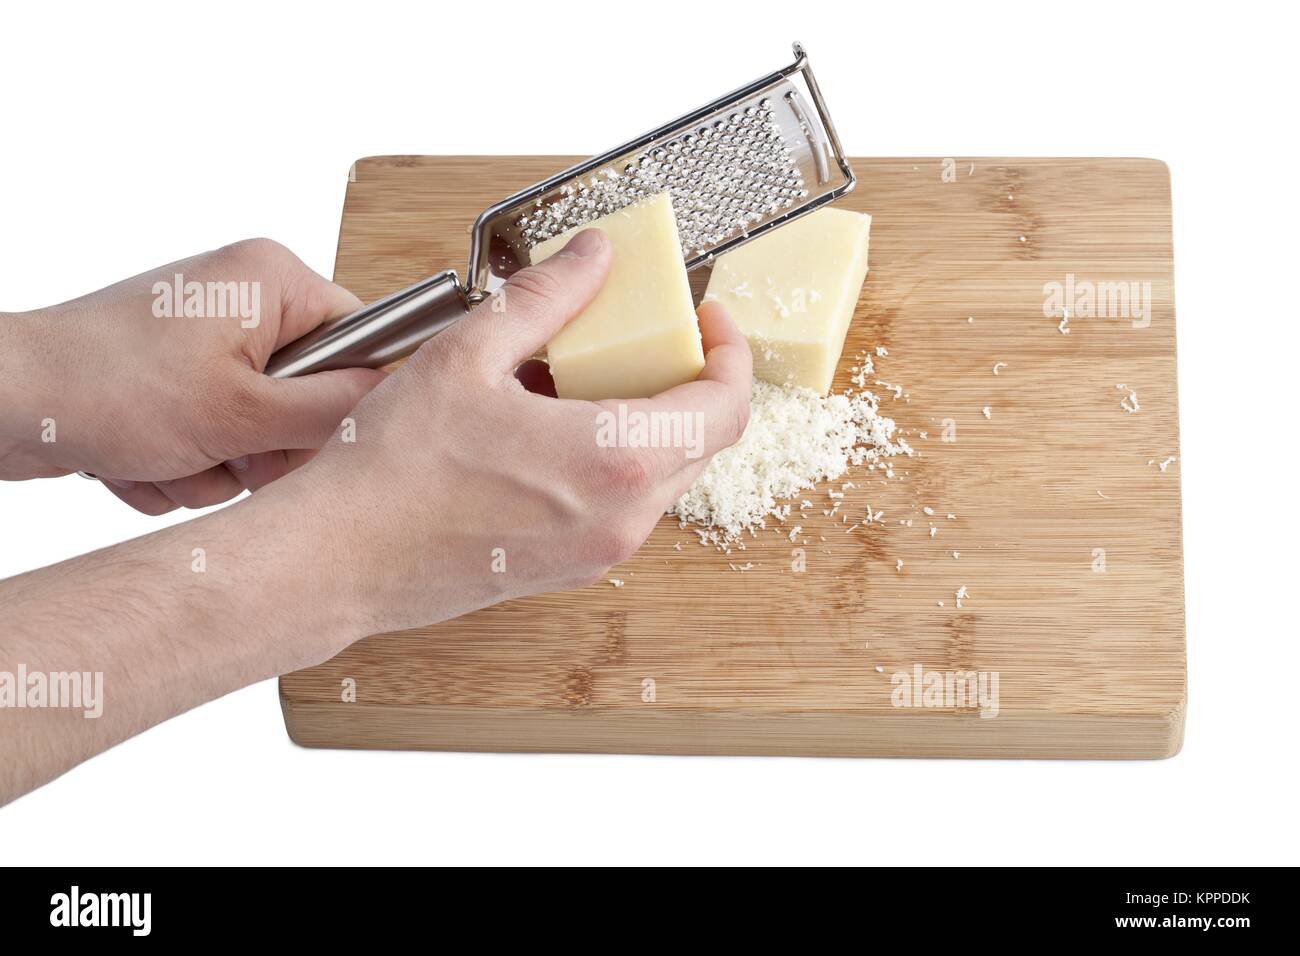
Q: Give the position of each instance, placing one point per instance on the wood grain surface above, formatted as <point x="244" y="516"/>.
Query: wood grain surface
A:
<point x="1069" y="533"/>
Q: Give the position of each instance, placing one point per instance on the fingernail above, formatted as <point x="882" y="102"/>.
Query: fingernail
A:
<point x="584" y="244"/>
<point x="121" y="483"/>
<point x="239" y="464"/>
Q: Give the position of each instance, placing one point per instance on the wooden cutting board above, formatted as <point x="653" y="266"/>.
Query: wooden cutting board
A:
<point x="1068" y="530"/>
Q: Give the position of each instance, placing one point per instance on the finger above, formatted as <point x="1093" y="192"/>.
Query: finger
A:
<point x="722" y="389"/>
<point x="701" y="417"/>
<point x="258" y="471"/>
<point x="300" y="412"/>
<point x="207" y="488"/>
<point x="675" y="485"/>
<point x="535" y="376"/>
<point x="141" y="495"/>
<point x="308" y="299"/>
<point x="535" y="303"/>
<point x="728" y="359"/>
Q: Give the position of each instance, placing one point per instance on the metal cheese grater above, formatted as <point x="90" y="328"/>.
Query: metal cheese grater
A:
<point x="736" y="167"/>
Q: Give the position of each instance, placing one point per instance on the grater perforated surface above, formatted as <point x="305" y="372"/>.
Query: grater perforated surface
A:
<point x="724" y="176"/>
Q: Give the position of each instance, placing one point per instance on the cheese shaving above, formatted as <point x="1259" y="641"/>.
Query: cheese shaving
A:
<point x="795" y="439"/>
<point x="1129" y="404"/>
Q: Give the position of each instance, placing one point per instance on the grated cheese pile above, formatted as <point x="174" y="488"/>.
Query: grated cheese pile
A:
<point x="795" y="439"/>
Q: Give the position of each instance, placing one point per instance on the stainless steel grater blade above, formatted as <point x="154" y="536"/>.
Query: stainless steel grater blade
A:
<point x="745" y="163"/>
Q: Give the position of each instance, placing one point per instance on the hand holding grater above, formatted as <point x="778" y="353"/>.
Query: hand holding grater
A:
<point x="736" y="167"/>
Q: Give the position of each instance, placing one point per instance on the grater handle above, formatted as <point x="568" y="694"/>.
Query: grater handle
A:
<point x="383" y="331"/>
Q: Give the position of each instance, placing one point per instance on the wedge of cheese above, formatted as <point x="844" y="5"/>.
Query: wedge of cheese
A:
<point x="639" y="335"/>
<point x="793" y="291"/>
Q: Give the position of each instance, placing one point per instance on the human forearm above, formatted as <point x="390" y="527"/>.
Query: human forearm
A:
<point x="31" y="396"/>
<point x="458" y="482"/>
<point x="170" y="620"/>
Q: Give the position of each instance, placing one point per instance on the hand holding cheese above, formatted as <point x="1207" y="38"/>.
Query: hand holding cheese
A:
<point x="638" y="337"/>
<point x="454" y="458"/>
<point x="793" y="291"/>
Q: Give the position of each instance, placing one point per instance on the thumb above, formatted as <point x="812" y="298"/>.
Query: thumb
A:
<point x="526" y="313"/>
<point x="304" y="412"/>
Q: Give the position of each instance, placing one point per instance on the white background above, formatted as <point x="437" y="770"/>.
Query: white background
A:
<point x="129" y="139"/>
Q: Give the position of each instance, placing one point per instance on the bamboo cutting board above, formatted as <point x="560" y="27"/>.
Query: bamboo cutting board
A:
<point x="1068" y="530"/>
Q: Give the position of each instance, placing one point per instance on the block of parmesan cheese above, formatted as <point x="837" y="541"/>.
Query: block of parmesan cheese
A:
<point x="793" y="291"/>
<point x="639" y="335"/>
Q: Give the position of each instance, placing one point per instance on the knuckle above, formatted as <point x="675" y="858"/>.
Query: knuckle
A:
<point x="616" y="543"/>
<point x="587" y="578"/>
<point x="154" y="507"/>
<point x="245" y="399"/>
<point x="261" y="258"/>
<point x="259" y="249"/>
<point x="532" y="287"/>
<point x="452" y="354"/>
<point x="234" y="407"/>
<point x="738" y="421"/>
<point x="182" y="494"/>
<point x="731" y="423"/>
<point x="626" y="471"/>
